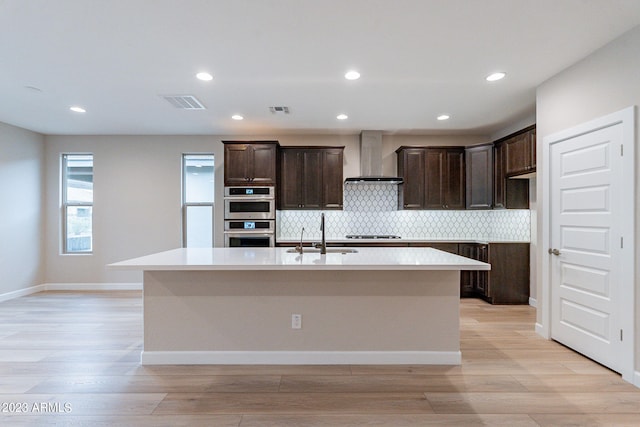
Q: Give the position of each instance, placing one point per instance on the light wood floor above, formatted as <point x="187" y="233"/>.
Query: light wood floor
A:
<point x="82" y="350"/>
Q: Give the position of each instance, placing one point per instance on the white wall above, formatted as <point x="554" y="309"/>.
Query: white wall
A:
<point x="137" y="201"/>
<point x="605" y="82"/>
<point x="533" y="251"/>
<point x="514" y="127"/>
<point x="21" y="213"/>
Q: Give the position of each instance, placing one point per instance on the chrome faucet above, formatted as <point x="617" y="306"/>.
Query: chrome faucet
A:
<point x="301" y="248"/>
<point x="323" y="244"/>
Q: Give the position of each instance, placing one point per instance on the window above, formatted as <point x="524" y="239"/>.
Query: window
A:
<point x="77" y="203"/>
<point x="197" y="200"/>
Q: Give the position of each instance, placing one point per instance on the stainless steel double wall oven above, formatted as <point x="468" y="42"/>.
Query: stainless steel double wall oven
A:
<point x="249" y="216"/>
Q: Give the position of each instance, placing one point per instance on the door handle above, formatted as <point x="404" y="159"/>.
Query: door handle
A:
<point x="554" y="252"/>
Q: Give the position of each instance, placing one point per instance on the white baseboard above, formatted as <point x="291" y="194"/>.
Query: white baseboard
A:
<point x="93" y="286"/>
<point x="541" y="331"/>
<point x="22" y="292"/>
<point x="533" y="302"/>
<point x="636" y="379"/>
<point x="301" y="358"/>
<point x="71" y="287"/>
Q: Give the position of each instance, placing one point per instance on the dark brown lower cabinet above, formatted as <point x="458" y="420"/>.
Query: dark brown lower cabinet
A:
<point x="506" y="283"/>
<point x="443" y="246"/>
<point x="508" y="280"/>
<point x="473" y="283"/>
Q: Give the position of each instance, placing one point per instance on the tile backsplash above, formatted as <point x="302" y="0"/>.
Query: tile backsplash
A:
<point x="372" y="209"/>
<point x="370" y="197"/>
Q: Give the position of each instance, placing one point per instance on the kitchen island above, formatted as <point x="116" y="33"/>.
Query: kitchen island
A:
<point x="236" y="306"/>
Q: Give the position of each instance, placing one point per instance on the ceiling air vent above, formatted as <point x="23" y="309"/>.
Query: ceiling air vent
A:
<point x="279" y="110"/>
<point x="184" y="102"/>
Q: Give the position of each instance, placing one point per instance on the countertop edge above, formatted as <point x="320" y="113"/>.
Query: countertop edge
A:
<point x="278" y="259"/>
<point x="440" y="267"/>
<point x="367" y="241"/>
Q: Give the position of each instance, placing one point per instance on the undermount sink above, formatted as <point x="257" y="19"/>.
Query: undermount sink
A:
<point x="329" y="251"/>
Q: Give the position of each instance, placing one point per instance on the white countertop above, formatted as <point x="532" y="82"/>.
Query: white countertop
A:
<point x="206" y="259"/>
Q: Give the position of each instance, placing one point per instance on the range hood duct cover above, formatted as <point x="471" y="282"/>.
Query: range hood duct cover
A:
<point x="371" y="161"/>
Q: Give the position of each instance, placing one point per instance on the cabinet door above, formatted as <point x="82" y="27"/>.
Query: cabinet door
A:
<point x="499" y="183"/>
<point x="250" y="163"/>
<point x="435" y="177"/>
<point x="453" y="182"/>
<point x="310" y="178"/>
<point x="479" y="177"/>
<point x="411" y="167"/>
<point x="262" y="164"/>
<point x="445" y="186"/>
<point x="481" y="284"/>
<point x="517" y="154"/>
<point x="311" y="183"/>
<point x="509" y="275"/>
<point x="507" y="193"/>
<point x="520" y="154"/>
<point x="517" y="193"/>
<point x="290" y="172"/>
<point x="533" y="155"/>
<point x="467" y="278"/>
<point x="332" y="178"/>
<point x="235" y="164"/>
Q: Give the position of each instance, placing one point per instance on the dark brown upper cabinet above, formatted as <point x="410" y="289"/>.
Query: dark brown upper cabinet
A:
<point x="310" y="177"/>
<point x="514" y="155"/>
<point x="479" y="176"/>
<point x="412" y="169"/>
<point x="520" y="152"/>
<point x="508" y="193"/>
<point x="434" y="177"/>
<point x="250" y="163"/>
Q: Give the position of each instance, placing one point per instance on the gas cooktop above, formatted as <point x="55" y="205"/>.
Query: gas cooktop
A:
<point x="372" y="236"/>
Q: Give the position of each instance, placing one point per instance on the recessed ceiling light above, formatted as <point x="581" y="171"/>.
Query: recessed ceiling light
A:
<point x="237" y="117"/>
<point x="204" y="76"/>
<point x="443" y="117"/>
<point x="496" y="76"/>
<point x="342" y="117"/>
<point x="352" y="75"/>
<point x="77" y="109"/>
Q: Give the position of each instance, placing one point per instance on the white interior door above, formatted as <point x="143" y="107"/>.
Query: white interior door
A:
<point x="586" y="240"/>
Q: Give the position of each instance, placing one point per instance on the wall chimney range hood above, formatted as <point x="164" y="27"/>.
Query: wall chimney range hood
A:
<point x="371" y="161"/>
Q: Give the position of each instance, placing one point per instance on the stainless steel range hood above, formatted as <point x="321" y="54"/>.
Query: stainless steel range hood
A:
<point x="371" y="161"/>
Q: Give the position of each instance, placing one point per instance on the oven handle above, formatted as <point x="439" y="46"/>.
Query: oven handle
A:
<point x="251" y="198"/>
<point x="249" y="232"/>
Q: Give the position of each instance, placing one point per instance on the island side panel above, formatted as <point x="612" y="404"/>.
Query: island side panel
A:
<point x="227" y="316"/>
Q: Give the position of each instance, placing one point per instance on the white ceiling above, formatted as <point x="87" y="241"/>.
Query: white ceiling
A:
<point x="418" y="59"/>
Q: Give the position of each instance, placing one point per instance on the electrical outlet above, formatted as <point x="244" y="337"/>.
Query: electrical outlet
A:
<point x="296" y="321"/>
